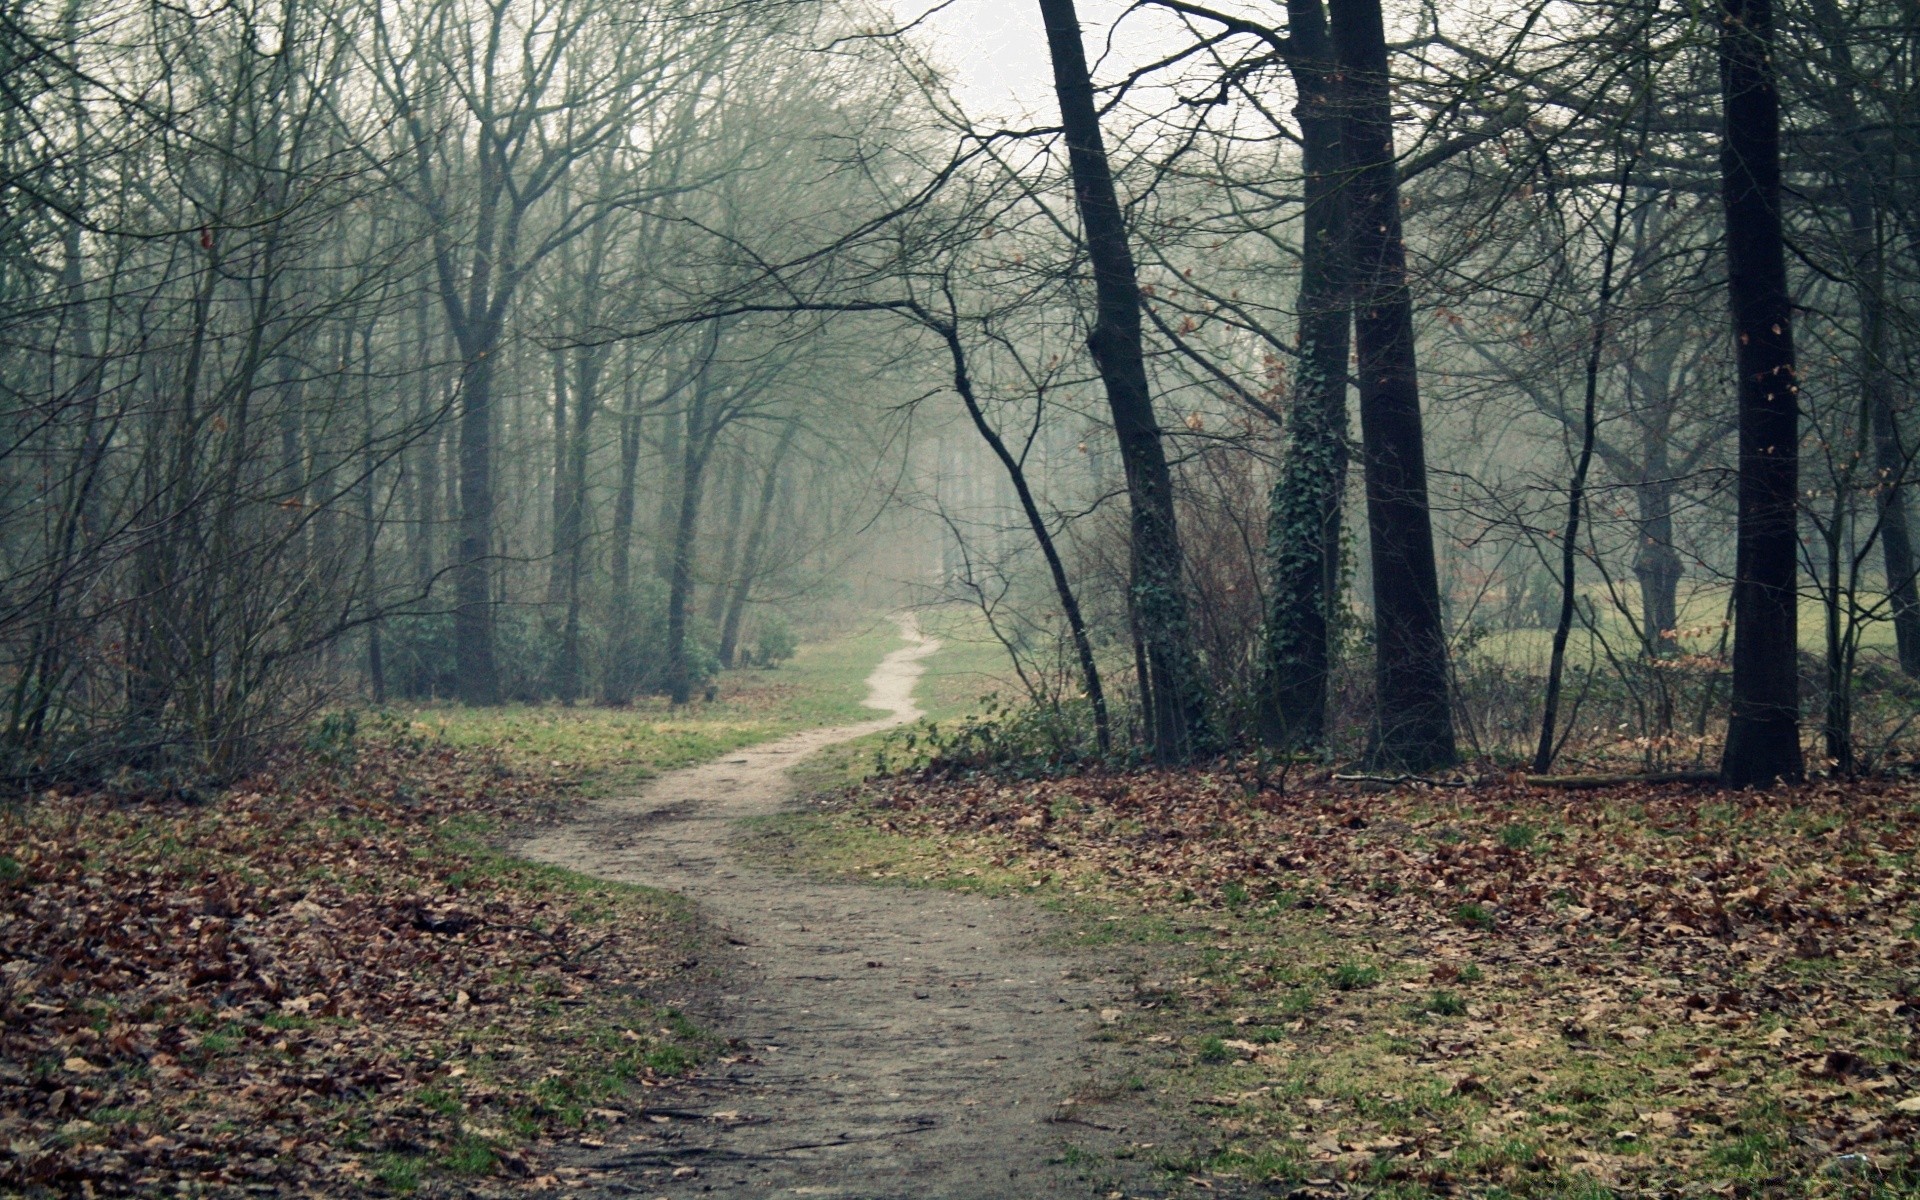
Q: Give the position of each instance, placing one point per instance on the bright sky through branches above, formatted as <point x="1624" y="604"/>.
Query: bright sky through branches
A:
<point x="996" y="50"/>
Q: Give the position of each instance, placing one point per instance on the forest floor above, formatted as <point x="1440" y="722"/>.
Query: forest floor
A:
<point x="330" y="979"/>
<point x="326" y="981"/>
<point x="1495" y="991"/>
<point x="333" y="980"/>
<point x="882" y="1043"/>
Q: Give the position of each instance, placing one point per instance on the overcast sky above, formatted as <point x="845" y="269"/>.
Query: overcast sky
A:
<point x="997" y="49"/>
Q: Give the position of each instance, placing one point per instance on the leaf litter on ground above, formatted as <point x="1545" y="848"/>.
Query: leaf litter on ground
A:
<point x="1638" y="990"/>
<point x="323" y="982"/>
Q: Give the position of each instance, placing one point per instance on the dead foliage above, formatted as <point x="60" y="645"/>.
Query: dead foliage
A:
<point x="322" y="983"/>
<point x="1434" y="989"/>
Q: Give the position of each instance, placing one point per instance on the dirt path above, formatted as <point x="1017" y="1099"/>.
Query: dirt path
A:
<point x="895" y="1043"/>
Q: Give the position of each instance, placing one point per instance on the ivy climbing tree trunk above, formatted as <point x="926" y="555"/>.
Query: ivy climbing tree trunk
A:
<point x="1177" y="727"/>
<point x="1763" y="731"/>
<point x="1304" y="507"/>
<point x="1413" y="724"/>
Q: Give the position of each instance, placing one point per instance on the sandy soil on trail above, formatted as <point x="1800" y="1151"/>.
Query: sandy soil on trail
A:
<point x="892" y="1042"/>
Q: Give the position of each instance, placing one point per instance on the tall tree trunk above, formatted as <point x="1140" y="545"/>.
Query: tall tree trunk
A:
<point x="1894" y="464"/>
<point x="1304" y="507"/>
<point x="423" y="461"/>
<point x="562" y="480"/>
<point x="1656" y="564"/>
<point x="1178" y="727"/>
<point x="1413" y="724"/>
<point x="370" y="527"/>
<point x="1763" y="731"/>
<point x="477" y="676"/>
<point x="749" y="571"/>
<point x="616" y="682"/>
<point x="1837" y="728"/>
<point x="569" y="527"/>
<point x="671" y="453"/>
<point x="697" y="448"/>
<point x="735" y="488"/>
<point x="1866" y="175"/>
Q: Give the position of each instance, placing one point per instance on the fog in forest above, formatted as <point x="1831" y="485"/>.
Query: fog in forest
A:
<point x="1466" y="383"/>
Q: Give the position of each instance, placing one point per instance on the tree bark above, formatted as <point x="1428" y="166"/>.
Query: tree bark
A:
<point x="1413" y="727"/>
<point x="616" y="681"/>
<point x="569" y="529"/>
<point x="1763" y="732"/>
<point x="1178" y="726"/>
<point x="750" y="556"/>
<point x="478" y="678"/>
<point x="1304" y="507"/>
<point x="423" y="461"/>
<point x="1656" y="564"/>
<point x="370" y="524"/>
<point x="697" y="448"/>
<point x="1893" y="462"/>
<point x="1866" y="173"/>
<point x="735" y="488"/>
<point x="562" y="479"/>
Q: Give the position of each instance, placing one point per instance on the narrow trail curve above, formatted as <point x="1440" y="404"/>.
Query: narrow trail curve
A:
<point x="897" y="1043"/>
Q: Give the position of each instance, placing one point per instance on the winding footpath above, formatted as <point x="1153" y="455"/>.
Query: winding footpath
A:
<point x="893" y="1042"/>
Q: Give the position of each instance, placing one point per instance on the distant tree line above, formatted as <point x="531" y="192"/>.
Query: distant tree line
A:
<point x="1341" y="381"/>
<point x="317" y="366"/>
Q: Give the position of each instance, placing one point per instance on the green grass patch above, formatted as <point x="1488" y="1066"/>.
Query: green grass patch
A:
<point x="1352" y="976"/>
<point x="604" y="749"/>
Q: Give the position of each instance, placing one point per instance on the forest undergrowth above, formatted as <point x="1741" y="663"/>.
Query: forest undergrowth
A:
<point x="323" y="982"/>
<point x="329" y="979"/>
<point x="1488" y="991"/>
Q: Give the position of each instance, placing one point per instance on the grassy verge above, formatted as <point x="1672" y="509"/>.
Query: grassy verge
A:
<point x="1497" y="992"/>
<point x="604" y="749"/>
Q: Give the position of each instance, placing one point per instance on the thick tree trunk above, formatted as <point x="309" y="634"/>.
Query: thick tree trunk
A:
<point x="478" y="678"/>
<point x="569" y="528"/>
<point x="1304" y="507"/>
<point x="1763" y="732"/>
<point x="1178" y="726"/>
<point x="1413" y="716"/>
